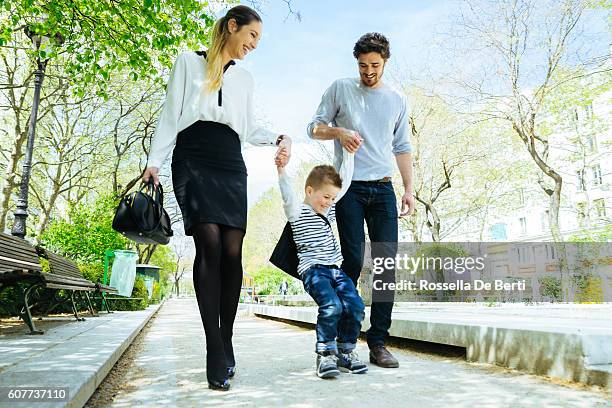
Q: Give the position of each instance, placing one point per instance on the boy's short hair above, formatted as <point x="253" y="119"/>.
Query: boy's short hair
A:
<point x="323" y="174"/>
<point x="372" y="42"/>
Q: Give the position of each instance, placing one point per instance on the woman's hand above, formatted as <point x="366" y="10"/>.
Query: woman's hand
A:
<point x="151" y="172"/>
<point x="283" y="154"/>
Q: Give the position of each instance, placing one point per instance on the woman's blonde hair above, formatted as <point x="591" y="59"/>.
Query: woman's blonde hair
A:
<point x="214" y="68"/>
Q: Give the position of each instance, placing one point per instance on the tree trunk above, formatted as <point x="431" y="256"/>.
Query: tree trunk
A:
<point x="435" y="227"/>
<point x="145" y="254"/>
<point x="46" y="213"/>
<point x="10" y="181"/>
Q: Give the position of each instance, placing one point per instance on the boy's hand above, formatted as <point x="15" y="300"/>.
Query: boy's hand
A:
<point x="284" y="152"/>
<point x="282" y="157"/>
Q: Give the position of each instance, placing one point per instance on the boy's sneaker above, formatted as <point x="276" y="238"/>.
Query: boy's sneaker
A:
<point x="327" y="366"/>
<point x="350" y="363"/>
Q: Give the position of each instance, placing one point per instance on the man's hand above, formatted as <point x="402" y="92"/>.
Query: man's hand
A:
<point x="283" y="154"/>
<point x="349" y="139"/>
<point x="408" y="204"/>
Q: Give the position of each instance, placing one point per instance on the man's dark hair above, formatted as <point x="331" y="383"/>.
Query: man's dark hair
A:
<point x="372" y="42"/>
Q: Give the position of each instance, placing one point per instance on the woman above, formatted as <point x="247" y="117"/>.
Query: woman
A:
<point x="207" y="118"/>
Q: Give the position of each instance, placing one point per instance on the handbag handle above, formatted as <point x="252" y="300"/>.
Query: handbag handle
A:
<point x="156" y="192"/>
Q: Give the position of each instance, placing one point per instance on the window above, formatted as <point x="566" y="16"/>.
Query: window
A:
<point x="523" y="223"/>
<point x="525" y="254"/>
<point x="581" y="183"/>
<point x="596" y="171"/>
<point x="521" y="196"/>
<point x="550" y="252"/>
<point x="600" y="207"/>
<point x="591" y="144"/>
<point x="545" y="216"/>
<point x="498" y="232"/>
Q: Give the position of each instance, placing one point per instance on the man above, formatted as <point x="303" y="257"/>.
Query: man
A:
<point x="368" y="117"/>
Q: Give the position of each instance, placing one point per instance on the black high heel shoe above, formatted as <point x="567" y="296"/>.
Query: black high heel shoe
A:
<point x="219" y="386"/>
<point x="231" y="371"/>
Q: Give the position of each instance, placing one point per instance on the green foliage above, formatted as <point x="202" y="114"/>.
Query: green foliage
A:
<point x="550" y="286"/>
<point x="9" y="299"/>
<point x="268" y="279"/>
<point x="165" y="258"/>
<point x="139" y="291"/>
<point x="266" y="221"/>
<point x="44" y="264"/>
<point x="589" y="289"/>
<point x="102" y="38"/>
<point x="602" y="235"/>
<point x="156" y="298"/>
<point x="87" y="233"/>
<point x="93" y="271"/>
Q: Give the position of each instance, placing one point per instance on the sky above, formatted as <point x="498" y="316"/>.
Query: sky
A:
<point x="296" y="61"/>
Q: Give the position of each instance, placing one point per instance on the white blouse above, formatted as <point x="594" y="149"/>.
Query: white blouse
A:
<point x="187" y="102"/>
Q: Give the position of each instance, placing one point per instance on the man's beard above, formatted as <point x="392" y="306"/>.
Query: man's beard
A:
<point x="372" y="82"/>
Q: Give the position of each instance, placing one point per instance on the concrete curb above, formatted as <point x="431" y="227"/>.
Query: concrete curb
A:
<point x="77" y="356"/>
<point x="580" y="357"/>
<point x="86" y="391"/>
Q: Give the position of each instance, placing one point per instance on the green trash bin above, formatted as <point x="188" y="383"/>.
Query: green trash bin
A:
<point x="149" y="284"/>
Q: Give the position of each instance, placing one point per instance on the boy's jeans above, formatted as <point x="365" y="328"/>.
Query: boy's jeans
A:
<point x="338" y="301"/>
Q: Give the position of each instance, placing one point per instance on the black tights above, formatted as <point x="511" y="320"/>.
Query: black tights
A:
<point x="217" y="277"/>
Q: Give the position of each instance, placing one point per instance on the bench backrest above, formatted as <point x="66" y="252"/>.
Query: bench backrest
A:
<point x="60" y="265"/>
<point x="17" y="254"/>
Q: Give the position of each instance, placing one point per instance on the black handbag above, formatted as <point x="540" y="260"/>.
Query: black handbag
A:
<point x="141" y="217"/>
<point x="284" y="256"/>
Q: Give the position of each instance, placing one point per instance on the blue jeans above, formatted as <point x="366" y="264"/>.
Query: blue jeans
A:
<point x="338" y="300"/>
<point x="375" y="203"/>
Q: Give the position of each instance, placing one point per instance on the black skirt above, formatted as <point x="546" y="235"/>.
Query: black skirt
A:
<point x="209" y="176"/>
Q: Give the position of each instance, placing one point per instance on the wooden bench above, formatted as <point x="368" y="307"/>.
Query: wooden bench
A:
<point x="19" y="263"/>
<point x="66" y="267"/>
<point x="72" y="279"/>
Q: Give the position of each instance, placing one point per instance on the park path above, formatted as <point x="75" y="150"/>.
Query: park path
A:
<point x="275" y="367"/>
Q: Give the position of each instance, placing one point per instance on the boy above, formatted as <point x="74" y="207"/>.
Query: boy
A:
<point x="341" y="310"/>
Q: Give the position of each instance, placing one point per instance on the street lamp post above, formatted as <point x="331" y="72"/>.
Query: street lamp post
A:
<point x="21" y="212"/>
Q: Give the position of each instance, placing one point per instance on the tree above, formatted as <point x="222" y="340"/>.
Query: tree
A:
<point x="66" y="153"/>
<point x="87" y="233"/>
<point x="449" y="152"/>
<point x="104" y="38"/>
<point x="183" y="261"/>
<point x="16" y="79"/>
<point x="266" y="220"/>
<point x="522" y="45"/>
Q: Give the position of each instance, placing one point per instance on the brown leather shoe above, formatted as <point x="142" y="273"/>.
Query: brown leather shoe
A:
<point x="380" y="356"/>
